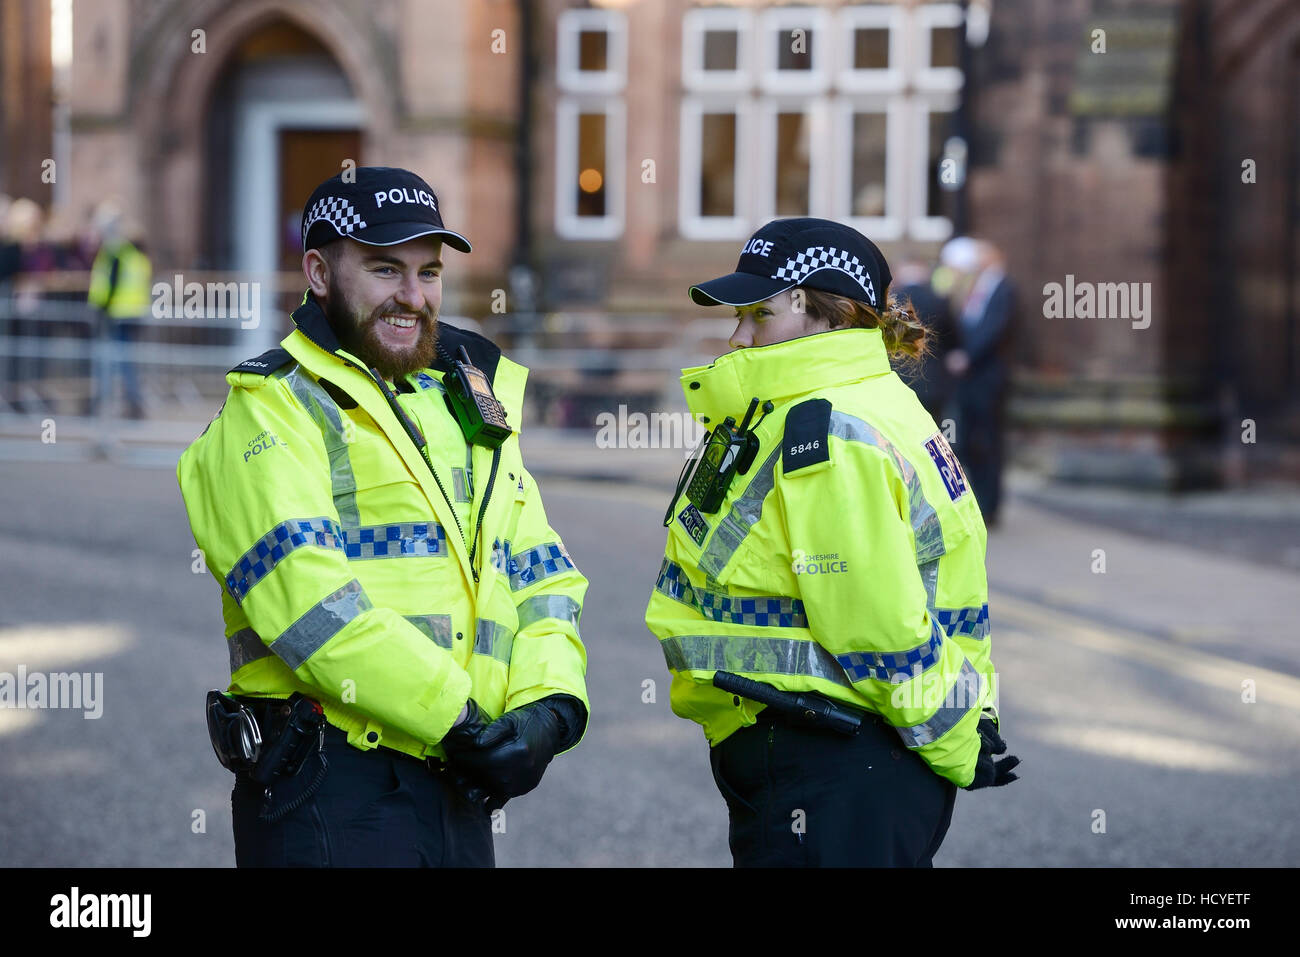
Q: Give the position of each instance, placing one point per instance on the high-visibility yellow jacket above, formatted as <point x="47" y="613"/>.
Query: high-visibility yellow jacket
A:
<point x="119" y="280"/>
<point x="342" y="566"/>
<point x="849" y="560"/>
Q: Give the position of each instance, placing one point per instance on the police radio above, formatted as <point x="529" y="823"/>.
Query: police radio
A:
<point x="729" y="451"/>
<point x="481" y="417"/>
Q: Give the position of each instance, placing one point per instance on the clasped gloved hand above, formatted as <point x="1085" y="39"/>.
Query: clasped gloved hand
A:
<point x="988" y="773"/>
<point x="508" y="757"/>
<point x="459" y="740"/>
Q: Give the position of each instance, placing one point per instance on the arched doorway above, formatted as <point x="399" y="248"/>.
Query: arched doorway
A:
<point x="282" y="117"/>
<point x="234" y="137"/>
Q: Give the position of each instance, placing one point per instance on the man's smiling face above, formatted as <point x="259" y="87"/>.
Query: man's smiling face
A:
<point x="381" y="301"/>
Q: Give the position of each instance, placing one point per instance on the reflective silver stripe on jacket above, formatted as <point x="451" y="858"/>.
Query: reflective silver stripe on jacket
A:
<point x="245" y="647"/>
<point x="744" y="514"/>
<point x="329" y="419"/>
<point x="761" y="611"/>
<point x="930" y="579"/>
<point x="964" y="696"/>
<point x="748" y="654"/>
<point x="925" y="521"/>
<point x="320" y="623"/>
<point x="437" y="628"/>
<point x="548" y="606"/>
<point x="493" y="639"/>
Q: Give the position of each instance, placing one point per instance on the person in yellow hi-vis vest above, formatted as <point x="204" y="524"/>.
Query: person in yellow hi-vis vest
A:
<point x="822" y="602"/>
<point x="401" y="619"/>
<point x="120" y="289"/>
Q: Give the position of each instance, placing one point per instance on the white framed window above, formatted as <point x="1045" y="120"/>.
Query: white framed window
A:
<point x="872" y="49"/>
<point x="592" y="54"/>
<point x="927" y="219"/>
<point x="797" y="111"/>
<point x="591" y="156"/>
<point x="590" y="124"/>
<point x="717" y="49"/>
<point x="939" y="34"/>
<point x="794" y="50"/>
<point x="791" y="171"/>
<point x="868" y="192"/>
<point x="714" y="180"/>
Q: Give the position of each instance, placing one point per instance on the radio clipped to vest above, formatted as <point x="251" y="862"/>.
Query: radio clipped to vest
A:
<point x="481" y="417"/>
<point x="729" y="451"/>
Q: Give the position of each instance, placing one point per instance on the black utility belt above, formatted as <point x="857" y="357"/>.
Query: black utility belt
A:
<point x="262" y="737"/>
<point x="237" y="723"/>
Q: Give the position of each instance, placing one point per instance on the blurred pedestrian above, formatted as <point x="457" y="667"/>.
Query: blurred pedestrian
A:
<point x="931" y="380"/>
<point x="21" y="260"/>
<point x="982" y="368"/>
<point x="120" y="283"/>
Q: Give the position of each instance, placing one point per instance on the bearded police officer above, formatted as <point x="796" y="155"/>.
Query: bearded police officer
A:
<point x="402" y="621"/>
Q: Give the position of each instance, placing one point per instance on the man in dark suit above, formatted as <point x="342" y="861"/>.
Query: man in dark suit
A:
<point x="982" y="366"/>
<point x="931" y="381"/>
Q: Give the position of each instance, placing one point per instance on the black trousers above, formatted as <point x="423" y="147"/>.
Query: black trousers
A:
<point x="980" y="439"/>
<point x="377" y="808"/>
<point x="808" y="798"/>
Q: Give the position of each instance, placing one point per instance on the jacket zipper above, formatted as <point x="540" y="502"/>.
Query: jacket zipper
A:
<point x="409" y="427"/>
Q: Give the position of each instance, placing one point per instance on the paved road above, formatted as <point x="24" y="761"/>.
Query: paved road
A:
<point x="1121" y="692"/>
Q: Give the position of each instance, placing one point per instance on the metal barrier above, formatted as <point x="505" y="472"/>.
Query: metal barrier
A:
<point x="59" y="357"/>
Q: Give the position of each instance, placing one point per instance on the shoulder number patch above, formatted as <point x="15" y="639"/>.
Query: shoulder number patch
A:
<point x="266" y="363"/>
<point x="807" y="435"/>
<point x="954" y="479"/>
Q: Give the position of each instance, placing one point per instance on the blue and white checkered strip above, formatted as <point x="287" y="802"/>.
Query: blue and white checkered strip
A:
<point x="728" y="609"/>
<point x="336" y="211"/>
<point x="528" y="568"/>
<point x="359" y="543"/>
<point x="274" y="546"/>
<point x="970" y="622"/>
<point x="395" y="541"/>
<point x="815" y="258"/>
<point x="884" y="665"/>
<point x="426" y="381"/>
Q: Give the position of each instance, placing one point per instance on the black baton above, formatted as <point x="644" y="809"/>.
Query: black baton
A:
<point x="807" y="707"/>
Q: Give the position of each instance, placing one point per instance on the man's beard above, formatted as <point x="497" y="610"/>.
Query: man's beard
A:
<point x="360" y="335"/>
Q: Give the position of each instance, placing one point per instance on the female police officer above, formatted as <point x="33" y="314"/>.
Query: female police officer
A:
<point x="827" y="544"/>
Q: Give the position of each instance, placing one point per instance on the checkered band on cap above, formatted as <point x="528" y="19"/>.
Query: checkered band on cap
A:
<point x="802" y="265"/>
<point x="338" y="212"/>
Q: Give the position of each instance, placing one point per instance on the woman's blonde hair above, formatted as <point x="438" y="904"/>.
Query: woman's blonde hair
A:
<point x="905" y="336"/>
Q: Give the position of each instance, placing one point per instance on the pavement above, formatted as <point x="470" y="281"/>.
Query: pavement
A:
<point x="1150" y="684"/>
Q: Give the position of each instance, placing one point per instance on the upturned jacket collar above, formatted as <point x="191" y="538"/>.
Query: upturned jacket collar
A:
<point x="782" y="370"/>
<point x="310" y="319"/>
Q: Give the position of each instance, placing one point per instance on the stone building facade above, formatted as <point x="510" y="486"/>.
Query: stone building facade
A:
<point x="616" y="151"/>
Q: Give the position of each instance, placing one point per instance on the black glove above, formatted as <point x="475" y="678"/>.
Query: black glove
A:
<point x="989" y="773"/>
<point x="509" y="756"/>
<point x="459" y="740"/>
<point x="462" y="734"/>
